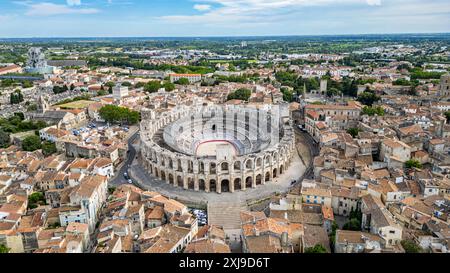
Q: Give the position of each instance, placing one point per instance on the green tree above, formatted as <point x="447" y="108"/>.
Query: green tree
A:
<point x="48" y="148"/>
<point x="413" y="163"/>
<point x="411" y="247"/>
<point x="152" y="86"/>
<point x="16" y="97"/>
<point x="353" y="132"/>
<point x="240" y="94"/>
<point x="372" y="111"/>
<point x="36" y="199"/>
<point x="447" y="115"/>
<point x="116" y="114"/>
<point x="288" y="96"/>
<point x="183" y="81"/>
<point x="31" y="143"/>
<point x="4" y="249"/>
<point x="354" y="224"/>
<point x="169" y="86"/>
<point x="316" y="249"/>
<point x="368" y="98"/>
<point x="5" y="139"/>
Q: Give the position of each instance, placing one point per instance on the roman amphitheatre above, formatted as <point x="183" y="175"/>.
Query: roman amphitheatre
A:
<point x="219" y="150"/>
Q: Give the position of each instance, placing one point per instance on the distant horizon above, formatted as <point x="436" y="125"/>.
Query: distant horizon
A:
<point x="231" y="36"/>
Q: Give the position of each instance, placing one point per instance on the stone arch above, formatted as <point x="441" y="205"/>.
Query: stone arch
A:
<point x="201" y="167"/>
<point x="180" y="181"/>
<point x="259" y="179"/>
<point x="171" y="180"/>
<point x="212" y="185"/>
<point x="224" y="167"/>
<point x="225" y="185"/>
<point x="237" y="184"/>
<point x="258" y="162"/>
<point x="201" y="185"/>
<point x="156" y="172"/>
<point x="249" y="182"/>
<point x="212" y="168"/>
<point x="163" y="175"/>
<point x="190" y="166"/>
<point x="249" y="164"/>
<point x="281" y="169"/>
<point x="267" y="160"/>
<point x="267" y="177"/>
<point x="170" y="163"/>
<point x="179" y="167"/>
<point x="237" y="165"/>
<point x="275" y="173"/>
<point x="191" y="183"/>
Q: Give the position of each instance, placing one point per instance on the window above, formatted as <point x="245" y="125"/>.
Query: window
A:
<point x="392" y="231"/>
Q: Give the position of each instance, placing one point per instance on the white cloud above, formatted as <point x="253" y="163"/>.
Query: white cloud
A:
<point x="47" y="9"/>
<point x="202" y="7"/>
<point x="255" y="10"/>
<point x="73" y="2"/>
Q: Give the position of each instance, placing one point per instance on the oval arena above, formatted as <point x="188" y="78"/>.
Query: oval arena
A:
<point x="214" y="148"/>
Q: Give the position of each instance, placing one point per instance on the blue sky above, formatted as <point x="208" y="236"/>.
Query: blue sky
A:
<point x="123" y="18"/>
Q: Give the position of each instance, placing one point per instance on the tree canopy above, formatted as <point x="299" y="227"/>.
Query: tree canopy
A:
<point x="372" y="111"/>
<point x="31" y="143"/>
<point x="240" y="94"/>
<point x="316" y="249"/>
<point x="368" y="98"/>
<point x="5" y="139"/>
<point x="413" y="163"/>
<point x="116" y="114"/>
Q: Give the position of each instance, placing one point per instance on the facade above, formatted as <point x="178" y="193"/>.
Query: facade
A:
<point x="244" y="158"/>
<point x="119" y="92"/>
<point x="445" y="85"/>
<point x="193" y="78"/>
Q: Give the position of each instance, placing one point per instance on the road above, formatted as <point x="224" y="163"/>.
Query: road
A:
<point x="131" y="155"/>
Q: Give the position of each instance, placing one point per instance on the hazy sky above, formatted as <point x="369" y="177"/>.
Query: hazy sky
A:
<point x="122" y="18"/>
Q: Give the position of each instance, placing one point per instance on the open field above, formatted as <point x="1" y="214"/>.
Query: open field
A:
<point x="77" y="104"/>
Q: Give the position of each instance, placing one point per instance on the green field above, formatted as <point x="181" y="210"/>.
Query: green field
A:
<point x="81" y="104"/>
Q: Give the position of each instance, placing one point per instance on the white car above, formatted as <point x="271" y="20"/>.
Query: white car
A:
<point x="130" y="181"/>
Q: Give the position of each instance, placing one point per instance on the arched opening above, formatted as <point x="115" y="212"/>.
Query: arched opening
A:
<point x="171" y="179"/>
<point x="259" y="179"/>
<point x="191" y="184"/>
<point x="281" y="169"/>
<point x="212" y="185"/>
<point x="224" y="167"/>
<point x="225" y="185"/>
<point x="258" y="162"/>
<point x="275" y="171"/>
<point x="190" y="166"/>
<point x="267" y="178"/>
<point x="237" y="184"/>
<point x="249" y="182"/>
<point x="170" y="164"/>
<point x="201" y="185"/>
<point x="267" y="160"/>
<point x="180" y="169"/>
<point x="237" y="166"/>
<point x="214" y="127"/>
<point x="212" y="168"/>
<point x="180" y="181"/>
<point x="163" y="175"/>
<point x="249" y="164"/>
<point x="156" y="172"/>
<point x="201" y="168"/>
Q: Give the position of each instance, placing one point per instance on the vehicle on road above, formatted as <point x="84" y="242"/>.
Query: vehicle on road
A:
<point x="130" y="181"/>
